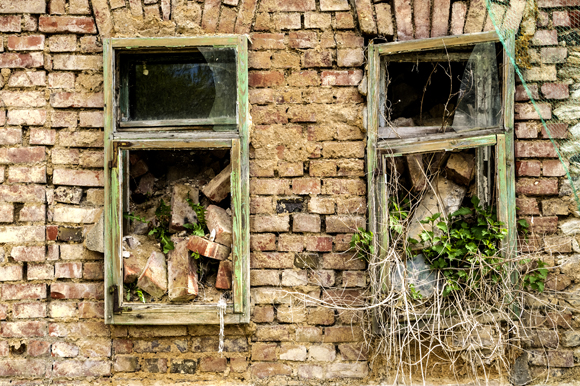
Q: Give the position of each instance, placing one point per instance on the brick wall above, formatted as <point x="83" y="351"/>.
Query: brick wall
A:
<point x="308" y="189"/>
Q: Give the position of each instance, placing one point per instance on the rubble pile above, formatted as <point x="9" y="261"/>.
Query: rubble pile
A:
<point x="178" y="227"/>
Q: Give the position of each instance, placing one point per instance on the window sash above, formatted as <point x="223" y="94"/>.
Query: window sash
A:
<point x="159" y="136"/>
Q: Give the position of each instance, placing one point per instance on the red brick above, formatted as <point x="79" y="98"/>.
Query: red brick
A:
<point x="344" y="20"/>
<point x="88" y="310"/>
<point x="68" y="270"/>
<point x="536" y="149"/>
<point x="317" y="59"/>
<point x="521" y="94"/>
<point x="11" y="272"/>
<point x="266" y="79"/>
<point x="22" y="155"/>
<point x="555" y="91"/>
<point x="267" y="41"/>
<point x="553" y="168"/>
<point x="271" y="260"/>
<point x="528" y="111"/>
<point x="556" y="130"/>
<point x="341" y="78"/>
<point x="526" y="205"/>
<point x="291" y="243"/>
<point x="290" y="169"/>
<point x="78" y="177"/>
<point x="245" y="16"/>
<point x="537" y="187"/>
<point x="238" y="365"/>
<point x="262" y="370"/>
<point x="93" y="270"/>
<point x="544" y="37"/>
<point x="543" y="224"/>
<point x="303" y="186"/>
<point x="14" y="60"/>
<point x="51" y="232"/>
<point x="74" y="99"/>
<point x="38" y="348"/>
<point x="528" y="168"/>
<point x="342" y="334"/>
<point x="342" y="261"/>
<point x="22" y="193"/>
<point x="10" y="136"/>
<point x="213" y="364"/>
<point x="263" y="242"/>
<point x="53" y="24"/>
<point x="89" y="368"/>
<point x="259" y="59"/>
<point x="42" y="137"/>
<point x="287" y="6"/>
<point x="10" y="23"/>
<point x="23" y="329"/>
<point x="303" y="78"/>
<point x="303" y="222"/>
<point x="302" y="39"/>
<point x="23" y="368"/>
<point x="29" y="310"/>
<point x="318" y="243"/>
<point x="25" y="43"/>
<point x="76" y="291"/>
<point x="23" y="98"/>
<point x="29" y="253"/>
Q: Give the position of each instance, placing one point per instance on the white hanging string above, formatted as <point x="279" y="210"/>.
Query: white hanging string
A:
<point x="221" y="305"/>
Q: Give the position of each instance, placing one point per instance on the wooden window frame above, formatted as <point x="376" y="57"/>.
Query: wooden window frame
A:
<point x="173" y="135"/>
<point x="501" y="137"/>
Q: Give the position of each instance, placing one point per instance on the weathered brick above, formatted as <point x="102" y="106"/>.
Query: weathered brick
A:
<point x="303" y="186"/>
<point x="77" y="62"/>
<point x="62" y="80"/>
<point x="40" y="272"/>
<point x="21" y="234"/>
<point x="6" y="212"/>
<point x="62" y="43"/>
<point x="89" y="368"/>
<point x="271" y="260"/>
<point x="25" y="43"/>
<point x="10" y="23"/>
<point x="42" y="136"/>
<point x="266" y="277"/>
<point x="29" y="311"/>
<point x="536" y="149"/>
<point x="15" y="60"/>
<point x="23" y="367"/>
<point x="342" y="261"/>
<point x="555" y="90"/>
<point x="10" y="136"/>
<point x="76" y="291"/>
<point x="21" y="253"/>
<point x="77" y="99"/>
<point x="288" y="6"/>
<point x="55" y="24"/>
<point x="68" y="270"/>
<point x="23" y="291"/>
<point x="78" y="177"/>
<point x="291" y="243"/>
<point x="544" y="37"/>
<point x="341" y="78"/>
<point x="531" y="168"/>
<point x="303" y="78"/>
<point x="12" y="272"/>
<point x="537" y="187"/>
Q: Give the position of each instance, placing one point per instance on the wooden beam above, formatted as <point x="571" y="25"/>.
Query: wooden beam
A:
<point x="406" y="146"/>
<point x="164" y="123"/>
<point x="189" y="41"/>
<point x="436" y="43"/>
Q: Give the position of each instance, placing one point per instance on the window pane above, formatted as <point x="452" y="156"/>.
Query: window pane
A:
<point x="192" y="85"/>
<point x="444" y="90"/>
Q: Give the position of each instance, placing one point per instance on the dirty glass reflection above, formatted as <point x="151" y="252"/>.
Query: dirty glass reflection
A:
<point x="180" y="86"/>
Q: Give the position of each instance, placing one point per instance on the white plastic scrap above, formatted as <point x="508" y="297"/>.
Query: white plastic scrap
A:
<point x="221" y="305"/>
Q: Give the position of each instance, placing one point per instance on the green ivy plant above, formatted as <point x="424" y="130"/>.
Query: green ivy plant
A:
<point x="131" y="289"/>
<point x="362" y="243"/>
<point x="200" y="228"/>
<point x="464" y="248"/>
<point x="161" y="230"/>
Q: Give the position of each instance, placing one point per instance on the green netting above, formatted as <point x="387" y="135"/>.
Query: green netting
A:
<point x="546" y="50"/>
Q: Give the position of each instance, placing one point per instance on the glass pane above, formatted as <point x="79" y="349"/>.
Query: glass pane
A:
<point x="443" y="90"/>
<point x="191" y="85"/>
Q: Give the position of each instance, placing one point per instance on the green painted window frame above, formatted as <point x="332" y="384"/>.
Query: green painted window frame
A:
<point x="502" y="138"/>
<point x="162" y="136"/>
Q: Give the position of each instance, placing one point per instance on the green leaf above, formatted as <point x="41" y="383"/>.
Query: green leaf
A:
<point x="441" y="225"/>
<point x="461" y="212"/>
